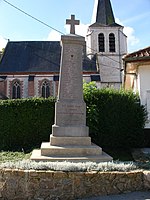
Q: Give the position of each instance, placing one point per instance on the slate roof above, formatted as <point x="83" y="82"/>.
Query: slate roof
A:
<point x="36" y="56"/>
<point x="104" y="16"/>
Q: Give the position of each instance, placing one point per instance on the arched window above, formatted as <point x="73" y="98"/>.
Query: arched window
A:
<point x="101" y="42"/>
<point x="112" y="45"/>
<point x="45" y="89"/>
<point x="16" y="90"/>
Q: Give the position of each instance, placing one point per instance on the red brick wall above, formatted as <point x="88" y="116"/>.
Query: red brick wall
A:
<point x="56" y="88"/>
<point x="51" y="88"/>
<point x="39" y="88"/>
<point x="3" y="87"/>
<point x="31" y="88"/>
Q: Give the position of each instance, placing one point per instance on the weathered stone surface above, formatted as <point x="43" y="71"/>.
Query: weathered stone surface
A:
<point x="33" y="185"/>
<point x="70" y="111"/>
<point x="61" y="141"/>
<point x="146" y="180"/>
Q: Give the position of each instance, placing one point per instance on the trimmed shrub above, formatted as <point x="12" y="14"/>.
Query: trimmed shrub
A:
<point x="115" y="117"/>
<point x="25" y="123"/>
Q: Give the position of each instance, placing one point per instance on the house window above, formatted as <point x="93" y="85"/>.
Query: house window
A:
<point x="16" y="92"/>
<point x="45" y="89"/>
<point x="101" y="42"/>
<point x="112" y="47"/>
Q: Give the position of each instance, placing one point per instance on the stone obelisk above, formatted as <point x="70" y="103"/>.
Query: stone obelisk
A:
<point x="70" y="136"/>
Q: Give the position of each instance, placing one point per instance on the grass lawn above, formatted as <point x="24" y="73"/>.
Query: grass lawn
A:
<point x="13" y="156"/>
<point x="117" y="154"/>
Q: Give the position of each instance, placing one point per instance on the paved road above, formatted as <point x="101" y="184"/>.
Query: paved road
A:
<point x="128" y="196"/>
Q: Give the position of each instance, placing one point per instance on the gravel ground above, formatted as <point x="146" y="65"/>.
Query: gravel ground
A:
<point x="128" y="196"/>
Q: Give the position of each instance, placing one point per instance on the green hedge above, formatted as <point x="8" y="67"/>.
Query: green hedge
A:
<point x="115" y="117"/>
<point x="25" y="123"/>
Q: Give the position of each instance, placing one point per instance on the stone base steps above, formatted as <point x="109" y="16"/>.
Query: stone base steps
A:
<point x="60" y="141"/>
<point x="36" y="156"/>
<point x="70" y="153"/>
<point x="70" y="150"/>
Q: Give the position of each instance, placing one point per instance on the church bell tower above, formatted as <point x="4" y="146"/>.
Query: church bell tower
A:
<point x="106" y="41"/>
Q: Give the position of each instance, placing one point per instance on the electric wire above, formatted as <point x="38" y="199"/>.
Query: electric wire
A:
<point x="4" y="38"/>
<point x="41" y="57"/>
<point x="58" y="32"/>
<point x="32" y="17"/>
<point x="34" y="48"/>
<point x="103" y="54"/>
<point x="51" y="26"/>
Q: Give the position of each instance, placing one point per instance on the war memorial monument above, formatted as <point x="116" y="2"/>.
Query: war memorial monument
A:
<point x="70" y="139"/>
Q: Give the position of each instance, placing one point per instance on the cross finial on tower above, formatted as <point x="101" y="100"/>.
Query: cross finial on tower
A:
<point x="72" y="23"/>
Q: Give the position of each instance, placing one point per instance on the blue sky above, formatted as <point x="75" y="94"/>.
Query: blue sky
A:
<point x="14" y="25"/>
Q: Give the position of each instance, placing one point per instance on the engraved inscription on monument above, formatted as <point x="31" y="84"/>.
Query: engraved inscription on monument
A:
<point x="70" y="109"/>
<point x="71" y="114"/>
<point x="70" y="136"/>
<point x="70" y="86"/>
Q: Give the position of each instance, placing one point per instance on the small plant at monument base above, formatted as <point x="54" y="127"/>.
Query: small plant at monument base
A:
<point x="20" y="160"/>
<point x="70" y="166"/>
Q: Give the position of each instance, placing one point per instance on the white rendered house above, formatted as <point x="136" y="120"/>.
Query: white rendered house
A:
<point x="137" y="76"/>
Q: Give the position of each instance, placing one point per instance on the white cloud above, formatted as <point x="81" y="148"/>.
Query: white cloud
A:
<point x="79" y="29"/>
<point x="54" y="36"/>
<point x="82" y="29"/>
<point x="94" y="12"/>
<point x="132" y="40"/>
<point x="3" y="42"/>
<point x="118" y="21"/>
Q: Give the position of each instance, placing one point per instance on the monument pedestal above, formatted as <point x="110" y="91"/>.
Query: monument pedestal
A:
<point x="70" y="139"/>
<point x="73" y="153"/>
<point x="74" y="149"/>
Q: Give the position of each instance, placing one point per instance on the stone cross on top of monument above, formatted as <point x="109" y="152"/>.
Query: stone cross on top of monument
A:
<point x="70" y="136"/>
<point x="72" y="23"/>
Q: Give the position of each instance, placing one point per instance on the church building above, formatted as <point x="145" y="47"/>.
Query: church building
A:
<point x="31" y="68"/>
<point x="107" y="42"/>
